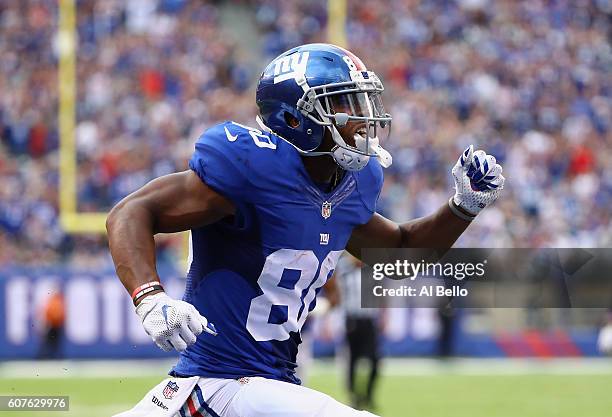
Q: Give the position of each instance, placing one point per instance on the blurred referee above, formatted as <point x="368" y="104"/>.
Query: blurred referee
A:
<point x="361" y="331"/>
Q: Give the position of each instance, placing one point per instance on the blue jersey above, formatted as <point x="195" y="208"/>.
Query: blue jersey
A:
<point x="255" y="276"/>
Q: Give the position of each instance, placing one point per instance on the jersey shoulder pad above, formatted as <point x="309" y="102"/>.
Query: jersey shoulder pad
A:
<point x="222" y="158"/>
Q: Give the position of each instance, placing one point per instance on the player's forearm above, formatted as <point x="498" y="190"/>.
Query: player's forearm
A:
<point x="130" y="237"/>
<point x="438" y="230"/>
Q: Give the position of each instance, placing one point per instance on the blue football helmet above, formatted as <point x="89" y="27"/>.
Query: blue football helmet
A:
<point x="324" y="86"/>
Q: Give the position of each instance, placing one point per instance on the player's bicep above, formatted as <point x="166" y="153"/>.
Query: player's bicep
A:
<point x="181" y="201"/>
<point x="378" y="232"/>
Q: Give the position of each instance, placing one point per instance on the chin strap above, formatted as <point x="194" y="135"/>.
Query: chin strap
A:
<point x="346" y="158"/>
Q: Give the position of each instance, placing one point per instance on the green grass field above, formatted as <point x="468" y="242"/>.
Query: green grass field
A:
<point x="435" y="395"/>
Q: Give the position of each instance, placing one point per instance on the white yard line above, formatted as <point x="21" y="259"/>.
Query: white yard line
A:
<point x="391" y="366"/>
<point x="567" y="366"/>
<point x="85" y="369"/>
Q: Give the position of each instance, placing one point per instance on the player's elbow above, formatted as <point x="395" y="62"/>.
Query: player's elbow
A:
<point x="120" y="212"/>
<point x="113" y="217"/>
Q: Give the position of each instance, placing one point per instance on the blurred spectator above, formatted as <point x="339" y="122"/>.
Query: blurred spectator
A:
<point x="446" y="339"/>
<point x="53" y="315"/>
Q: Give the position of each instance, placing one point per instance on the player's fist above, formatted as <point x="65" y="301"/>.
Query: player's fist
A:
<point x="478" y="180"/>
<point x="172" y="324"/>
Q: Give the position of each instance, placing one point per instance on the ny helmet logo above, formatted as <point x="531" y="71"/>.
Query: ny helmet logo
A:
<point x="292" y="66"/>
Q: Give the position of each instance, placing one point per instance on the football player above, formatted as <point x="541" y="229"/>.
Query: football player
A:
<point x="270" y="210"/>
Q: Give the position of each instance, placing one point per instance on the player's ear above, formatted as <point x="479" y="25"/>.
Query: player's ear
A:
<point x="291" y="120"/>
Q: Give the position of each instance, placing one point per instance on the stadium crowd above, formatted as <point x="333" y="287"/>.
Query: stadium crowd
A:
<point x="528" y="82"/>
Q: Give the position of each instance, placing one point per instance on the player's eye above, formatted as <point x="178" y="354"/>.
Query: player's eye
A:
<point x="340" y="104"/>
<point x="353" y="104"/>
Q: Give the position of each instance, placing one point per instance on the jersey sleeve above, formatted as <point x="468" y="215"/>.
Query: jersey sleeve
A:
<point x="220" y="160"/>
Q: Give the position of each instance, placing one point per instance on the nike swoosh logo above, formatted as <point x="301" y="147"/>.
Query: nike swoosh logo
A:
<point x="230" y="137"/>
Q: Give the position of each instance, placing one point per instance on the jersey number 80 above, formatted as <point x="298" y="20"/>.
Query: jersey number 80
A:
<point x="304" y="261"/>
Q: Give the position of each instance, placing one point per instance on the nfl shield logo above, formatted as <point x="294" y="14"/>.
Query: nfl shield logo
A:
<point x="170" y="390"/>
<point x="326" y="210"/>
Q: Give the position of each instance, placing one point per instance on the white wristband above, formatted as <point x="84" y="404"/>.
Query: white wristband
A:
<point x="458" y="212"/>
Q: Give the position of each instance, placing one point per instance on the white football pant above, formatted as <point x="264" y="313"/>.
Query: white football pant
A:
<point x="246" y="397"/>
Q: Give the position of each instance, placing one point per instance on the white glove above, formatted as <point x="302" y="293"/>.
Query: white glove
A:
<point x="478" y="180"/>
<point x="172" y="324"/>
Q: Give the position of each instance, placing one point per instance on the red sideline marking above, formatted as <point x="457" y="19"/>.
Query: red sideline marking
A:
<point x="513" y="347"/>
<point x="538" y="344"/>
<point x="192" y="409"/>
<point x="564" y="344"/>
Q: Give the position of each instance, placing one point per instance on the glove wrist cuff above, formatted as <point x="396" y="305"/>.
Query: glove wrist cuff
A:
<point x="148" y="303"/>
<point x="462" y="214"/>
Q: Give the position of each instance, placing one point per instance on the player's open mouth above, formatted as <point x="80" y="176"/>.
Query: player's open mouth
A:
<point x="361" y="130"/>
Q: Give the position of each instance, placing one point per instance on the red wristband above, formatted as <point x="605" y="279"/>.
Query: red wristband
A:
<point x="144" y="286"/>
